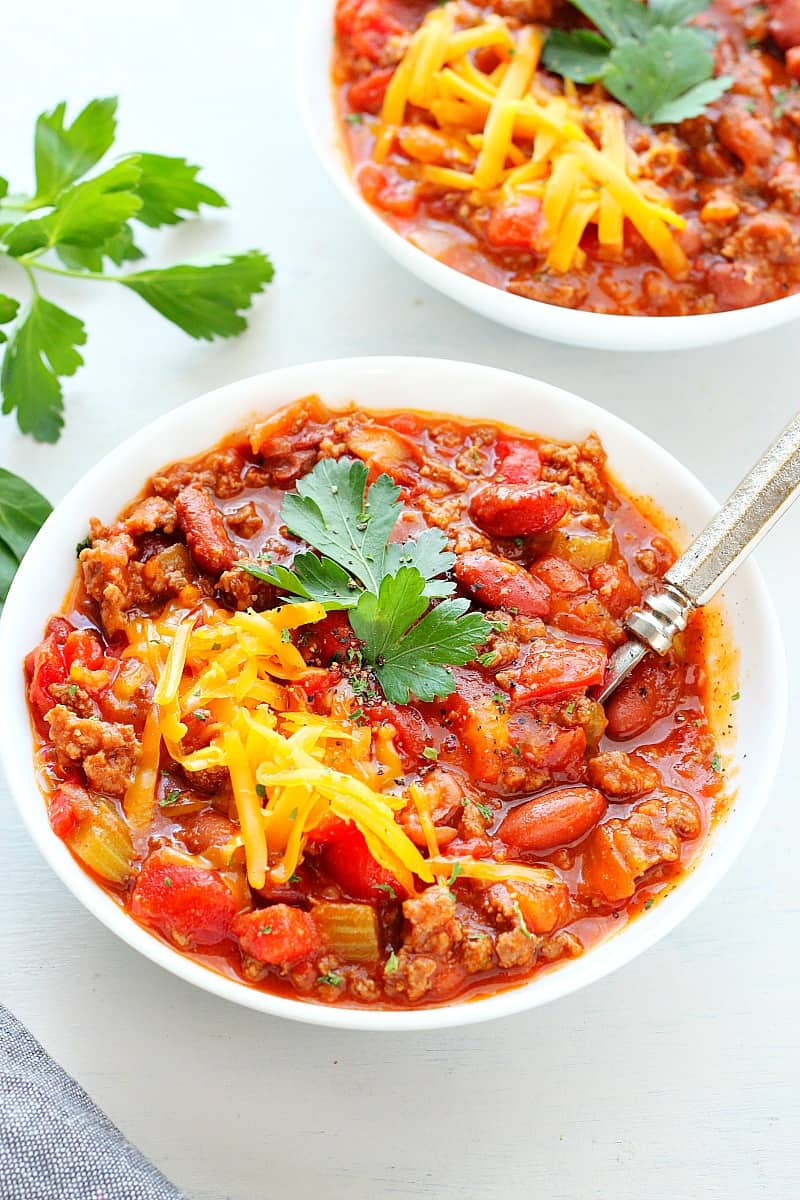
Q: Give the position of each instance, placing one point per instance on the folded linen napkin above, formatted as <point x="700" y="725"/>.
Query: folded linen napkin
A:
<point x="55" y="1143"/>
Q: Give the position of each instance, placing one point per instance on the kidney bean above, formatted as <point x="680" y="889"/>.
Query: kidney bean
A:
<point x="553" y="819"/>
<point x="497" y="583"/>
<point x="509" y="510"/>
<point x="204" y="530"/>
<point x="650" y="691"/>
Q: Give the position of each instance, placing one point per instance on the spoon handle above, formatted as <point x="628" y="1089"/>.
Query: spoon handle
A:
<point x="746" y="516"/>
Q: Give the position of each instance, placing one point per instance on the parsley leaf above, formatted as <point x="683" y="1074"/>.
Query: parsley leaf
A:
<point x="205" y="301"/>
<point x="9" y="307"/>
<point x="580" y="55"/>
<point x="351" y="527"/>
<point x="22" y="511"/>
<point x="661" y="69"/>
<point x="88" y="222"/>
<point x="310" y="578"/>
<point x="664" y="77"/>
<point x="119" y="248"/>
<point x="63" y="155"/>
<point x="42" y="349"/>
<point x="169" y="188"/>
<point x="87" y="214"/>
<point x="409" y="655"/>
<point x="331" y="512"/>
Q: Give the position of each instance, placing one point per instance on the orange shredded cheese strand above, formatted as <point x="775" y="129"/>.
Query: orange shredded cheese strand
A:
<point x="140" y="796"/>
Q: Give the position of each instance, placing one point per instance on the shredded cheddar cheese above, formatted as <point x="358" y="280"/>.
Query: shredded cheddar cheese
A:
<point x="512" y="136"/>
<point x="289" y="767"/>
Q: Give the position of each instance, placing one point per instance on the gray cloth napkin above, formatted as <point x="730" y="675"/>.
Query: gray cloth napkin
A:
<point x="55" y="1143"/>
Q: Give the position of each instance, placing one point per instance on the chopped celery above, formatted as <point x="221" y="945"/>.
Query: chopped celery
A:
<point x="104" y="844"/>
<point x="349" y="930"/>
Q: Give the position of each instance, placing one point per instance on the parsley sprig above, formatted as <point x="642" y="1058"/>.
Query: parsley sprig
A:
<point x="85" y="224"/>
<point x="385" y="586"/>
<point x="645" y="55"/>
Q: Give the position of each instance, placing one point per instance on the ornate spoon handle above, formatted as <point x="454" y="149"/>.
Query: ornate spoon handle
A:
<point x="748" y="514"/>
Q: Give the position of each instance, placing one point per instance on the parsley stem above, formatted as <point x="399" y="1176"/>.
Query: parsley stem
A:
<point x="27" y="262"/>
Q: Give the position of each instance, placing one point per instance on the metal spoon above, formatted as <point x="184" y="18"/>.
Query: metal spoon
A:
<point x="761" y="499"/>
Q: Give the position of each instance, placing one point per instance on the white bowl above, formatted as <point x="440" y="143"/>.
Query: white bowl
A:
<point x="601" y="331"/>
<point x="473" y="391"/>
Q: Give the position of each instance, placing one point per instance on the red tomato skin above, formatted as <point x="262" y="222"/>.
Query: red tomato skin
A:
<point x="277" y="935"/>
<point x="45" y="666"/>
<point x="367" y="25"/>
<point x="366" y="95"/>
<point x="192" y="906"/>
<point x="517" y="461"/>
<point x="83" y="647"/>
<point x="554" y="668"/>
<point x="516" y="226"/>
<point x="349" y="862"/>
<point x="67" y="806"/>
<point x="412" y="730"/>
<point x="396" y="196"/>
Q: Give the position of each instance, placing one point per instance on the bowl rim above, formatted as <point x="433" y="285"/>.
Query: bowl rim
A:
<point x="312" y="44"/>
<point x="242" y="397"/>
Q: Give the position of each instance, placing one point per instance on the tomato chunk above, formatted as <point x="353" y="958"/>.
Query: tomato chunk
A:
<point x="45" y="667"/>
<point x="349" y="862"/>
<point x="277" y="935"/>
<point x="412" y="730"/>
<point x="556" y="668"/>
<point x="517" y="461"/>
<point x="68" y="805"/>
<point x="393" y="195"/>
<point x="191" y="905"/>
<point x="366" y="95"/>
<point x="83" y="647"/>
<point x="368" y="26"/>
<point x="517" y="225"/>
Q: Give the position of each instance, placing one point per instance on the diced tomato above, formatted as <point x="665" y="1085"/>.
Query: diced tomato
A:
<point x="366" y="95"/>
<point x="331" y="638"/>
<point x="68" y="805"/>
<point x="191" y="905"/>
<point x="559" y="575"/>
<point x="517" y="461"/>
<point x="615" y="587"/>
<point x="517" y="225"/>
<point x="349" y="862"/>
<point x="555" y="668"/>
<point x="45" y="666"/>
<point x="277" y="935"/>
<point x="545" y="744"/>
<point x="412" y="730"/>
<point x="393" y="195"/>
<point x="84" y="647"/>
<point x="368" y="26"/>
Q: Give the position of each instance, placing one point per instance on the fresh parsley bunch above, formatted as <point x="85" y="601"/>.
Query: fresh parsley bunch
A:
<point x="87" y="224"/>
<point x="645" y="55"/>
<point x="385" y="586"/>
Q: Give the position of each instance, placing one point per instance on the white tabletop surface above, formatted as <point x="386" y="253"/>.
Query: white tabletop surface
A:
<point x="675" y="1078"/>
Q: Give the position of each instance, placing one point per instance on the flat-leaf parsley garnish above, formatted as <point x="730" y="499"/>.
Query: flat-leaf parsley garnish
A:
<point x="645" y="55"/>
<point x="386" y="587"/>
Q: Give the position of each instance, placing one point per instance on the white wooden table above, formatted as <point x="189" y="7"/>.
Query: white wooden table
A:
<point x="676" y="1078"/>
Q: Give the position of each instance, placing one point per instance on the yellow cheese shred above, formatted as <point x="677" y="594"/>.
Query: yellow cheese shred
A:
<point x="516" y="123"/>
